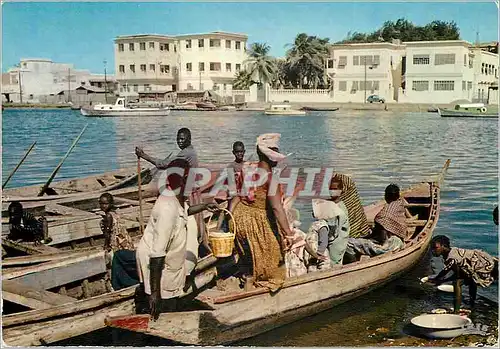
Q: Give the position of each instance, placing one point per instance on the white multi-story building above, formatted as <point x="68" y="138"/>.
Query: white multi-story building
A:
<point x="438" y="72"/>
<point x="178" y="63"/>
<point x="42" y="77"/>
<point x="359" y="70"/>
<point x="485" y="76"/>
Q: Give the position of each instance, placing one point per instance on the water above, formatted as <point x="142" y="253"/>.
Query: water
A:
<point x="375" y="147"/>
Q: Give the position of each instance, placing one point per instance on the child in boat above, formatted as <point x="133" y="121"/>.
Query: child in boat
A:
<point x="472" y="267"/>
<point x="301" y="252"/>
<point x="330" y="232"/>
<point x="389" y="232"/>
<point x="118" y="245"/>
<point x="25" y="227"/>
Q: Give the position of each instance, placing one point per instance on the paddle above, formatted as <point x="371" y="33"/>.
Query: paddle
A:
<point x="54" y="173"/>
<point x="18" y="165"/>
<point x="141" y="219"/>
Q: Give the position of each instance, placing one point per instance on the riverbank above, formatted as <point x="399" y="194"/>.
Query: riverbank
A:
<point x="34" y="106"/>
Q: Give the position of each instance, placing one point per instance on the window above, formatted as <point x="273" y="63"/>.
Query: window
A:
<point x="376" y="85"/>
<point x="482" y="68"/>
<point x="142" y="46"/>
<point x="152" y="67"/>
<point x="421" y="59"/>
<point x="237" y="67"/>
<point x="354" y="86"/>
<point x="147" y="87"/>
<point x="355" y="60"/>
<point x="131" y="46"/>
<point x="464" y="85"/>
<point x="175" y="48"/>
<point x="225" y="87"/>
<point x="121" y="48"/>
<point x="228" y="43"/>
<point x="444" y="58"/>
<point x="132" y="68"/>
<point x="376" y="60"/>
<point x="201" y="86"/>
<point x="136" y="87"/>
<point x="201" y="42"/>
<point x="143" y="67"/>
<point x="420" y="85"/>
<point x="214" y="42"/>
<point x="165" y="69"/>
<point x="342" y="85"/>
<point x="330" y="63"/>
<point x="215" y="66"/>
<point x="465" y="60"/>
<point x="188" y="43"/>
<point x="189" y="86"/>
<point x="228" y="67"/>
<point x="152" y="45"/>
<point x="122" y="69"/>
<point x="368" y="60"/>
<point x="201" y="66"/>
<point x="164" y="47"/>
<point x="237" y="45"/>
<point x="469" y="85"/>
<point x="342" y="61"/>
<point x="444" y="85"/>
<point x="471" y="62"/>
<point x="365" y="85"/>
<point x="189" y="67"/>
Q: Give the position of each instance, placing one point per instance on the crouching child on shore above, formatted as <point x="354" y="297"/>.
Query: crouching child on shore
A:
<point x="470" y="267"/>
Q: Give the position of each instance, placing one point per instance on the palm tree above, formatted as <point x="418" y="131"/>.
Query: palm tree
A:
<point x="260" y="65"/>
<point x="307" y="57"/>
<point x="243" y="80"/>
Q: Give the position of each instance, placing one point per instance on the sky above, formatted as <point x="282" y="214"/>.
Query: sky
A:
<point x="83" y="33"/>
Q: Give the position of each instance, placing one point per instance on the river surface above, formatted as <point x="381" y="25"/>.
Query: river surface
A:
<point x="375" y="147"/>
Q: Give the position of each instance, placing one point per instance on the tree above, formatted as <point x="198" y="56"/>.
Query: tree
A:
<point x="306" y="61"/>
<point x="243" y="80"/>
<point x="405" y="30"/>
<point x="260" y="65"/>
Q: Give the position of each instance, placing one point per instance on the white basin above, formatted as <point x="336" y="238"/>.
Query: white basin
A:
<point x="441" y="325"/>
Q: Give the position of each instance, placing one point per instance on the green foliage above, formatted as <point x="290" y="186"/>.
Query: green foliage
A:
<point x="405" y="30"/>
<point x="260" y="65"/>
<point x="243" y="80"/>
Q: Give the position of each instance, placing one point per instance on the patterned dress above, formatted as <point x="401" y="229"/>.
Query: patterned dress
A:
<point x="258" y="240"/>
<point x="119" y="237"/>
<point x="474" y="264"/>
<point x="28" y="229"/>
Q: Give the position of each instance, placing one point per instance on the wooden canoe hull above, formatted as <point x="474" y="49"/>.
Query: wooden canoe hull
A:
<point x="239" y="316"/>
<point x="74" y="188"/>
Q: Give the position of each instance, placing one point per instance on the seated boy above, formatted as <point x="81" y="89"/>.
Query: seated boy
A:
<point x="389" y="232"/>
<point x="472" y="267"/>
<point x="25" y="227"/>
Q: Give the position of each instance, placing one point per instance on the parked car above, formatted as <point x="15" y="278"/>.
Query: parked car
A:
<point x="376" y="99"/>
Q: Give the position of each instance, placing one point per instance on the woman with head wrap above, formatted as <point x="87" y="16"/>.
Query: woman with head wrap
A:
<point x="357" y="218"/>
<point x="262" y="226"/>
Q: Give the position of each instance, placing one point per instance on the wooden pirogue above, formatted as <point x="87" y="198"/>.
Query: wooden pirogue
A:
<point x="236" y="315"/>
<point x="74" y="188"/>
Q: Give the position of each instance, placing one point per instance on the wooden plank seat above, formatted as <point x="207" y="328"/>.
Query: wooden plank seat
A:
<point x="18" y="293"/>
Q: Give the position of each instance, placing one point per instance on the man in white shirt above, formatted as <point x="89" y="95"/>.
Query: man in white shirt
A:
<point x="161" y="253"/>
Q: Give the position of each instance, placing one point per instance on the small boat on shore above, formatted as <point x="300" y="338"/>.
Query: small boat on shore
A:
<point x="475" y="110"/>
<point x="283" y="109"/>
<point x="76" y="187"/>
<point x="119" y="109"/>
<point x="206" y="105"/>
<point x="318" y="109"/>
<point x="230" y="315"/>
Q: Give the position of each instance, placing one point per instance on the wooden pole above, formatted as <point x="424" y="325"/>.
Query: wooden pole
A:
<point x="139" y="179"/>
<point x="18" y="165"/>
<point x="54" y="173"/>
